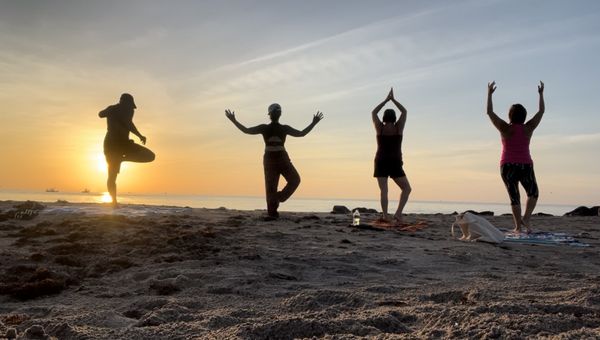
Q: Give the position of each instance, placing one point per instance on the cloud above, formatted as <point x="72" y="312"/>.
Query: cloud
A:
<point x="400" y="47"/>
<point x="555" y="140"/>
<point x="584" y="138"/>
<point x="148" y="39"/>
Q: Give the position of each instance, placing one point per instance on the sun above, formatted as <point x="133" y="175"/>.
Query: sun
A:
<point x="102" y="166"/>
<point x="101" y="163"/>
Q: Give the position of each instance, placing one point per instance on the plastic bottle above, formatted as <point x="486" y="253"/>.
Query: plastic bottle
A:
<point x="356" y="217"/>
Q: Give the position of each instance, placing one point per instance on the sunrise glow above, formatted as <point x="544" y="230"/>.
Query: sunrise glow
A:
<point x="185" y="69"/>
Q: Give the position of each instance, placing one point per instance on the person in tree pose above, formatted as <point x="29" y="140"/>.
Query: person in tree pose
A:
<point x="118" y="147"/>
<point x="276" y="161"/>
<point x="388" y="159"/>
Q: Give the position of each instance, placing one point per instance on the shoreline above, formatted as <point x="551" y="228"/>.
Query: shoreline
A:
<point x="261" y="197"/>
<point x="185" y="273"/>
<point x="457" y="207"/>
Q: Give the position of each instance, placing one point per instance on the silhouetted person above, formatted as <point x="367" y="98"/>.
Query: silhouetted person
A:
<point x="516" y="165"/>
<point x="388" y="159"/>
<point x="276" y="160"/>
<point x="117" y="145"/>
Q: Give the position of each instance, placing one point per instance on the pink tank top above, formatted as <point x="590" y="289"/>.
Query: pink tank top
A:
<point x="515" y="149"/>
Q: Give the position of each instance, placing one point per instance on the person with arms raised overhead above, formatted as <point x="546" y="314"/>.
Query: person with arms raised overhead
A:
<point x="388" y="159"/>
<point x="118" y="147"/>
<point x="516" y="164"/>
<point x="276" y="161"/>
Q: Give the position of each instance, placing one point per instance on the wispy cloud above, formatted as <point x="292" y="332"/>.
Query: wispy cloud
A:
<point x="555" y="140"/>
<point x="364" y="31"/>
<point x="367" y="56"/>
<point x="150" y="39"/>
<point x="584" y="138"/>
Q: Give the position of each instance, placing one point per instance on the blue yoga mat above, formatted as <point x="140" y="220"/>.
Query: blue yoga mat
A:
<point x="543" y="237"/>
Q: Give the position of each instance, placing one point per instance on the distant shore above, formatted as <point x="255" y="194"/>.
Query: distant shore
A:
<point x="181" y="273"/>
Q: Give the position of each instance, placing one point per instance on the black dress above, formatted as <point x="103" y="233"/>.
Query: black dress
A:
<point x="388" y="159"/>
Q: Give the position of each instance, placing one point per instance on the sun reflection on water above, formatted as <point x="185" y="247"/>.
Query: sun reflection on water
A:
<point x="105" y="198"/>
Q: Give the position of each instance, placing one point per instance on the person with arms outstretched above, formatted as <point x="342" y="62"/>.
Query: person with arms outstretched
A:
<point x="388" y="159"/>
<point x="276" y="161"/>
<point x="516" y="164"/>
<point x="118" y="147"/>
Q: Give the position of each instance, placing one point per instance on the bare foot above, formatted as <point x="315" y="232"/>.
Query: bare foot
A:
<point x="527" y="224"/>
<point x="518" y="228"/>
<point x="383" y="219"/>
<point x="398" y="219"/>
<point x="385" y="216"/>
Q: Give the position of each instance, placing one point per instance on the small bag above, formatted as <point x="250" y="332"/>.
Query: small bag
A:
<point x="477" y="228"/>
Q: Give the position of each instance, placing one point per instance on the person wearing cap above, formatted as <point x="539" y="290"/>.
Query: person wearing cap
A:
<point x="276" y="161"/>
<point x="118" y="147"/>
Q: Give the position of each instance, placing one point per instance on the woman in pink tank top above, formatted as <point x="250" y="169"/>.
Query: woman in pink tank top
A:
<point x="516" y="165"/>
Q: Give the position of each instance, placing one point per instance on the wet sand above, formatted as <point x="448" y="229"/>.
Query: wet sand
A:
<point x="82" y="271"/>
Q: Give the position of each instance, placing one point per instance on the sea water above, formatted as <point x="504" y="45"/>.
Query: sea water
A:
<point x="298" y="204"/>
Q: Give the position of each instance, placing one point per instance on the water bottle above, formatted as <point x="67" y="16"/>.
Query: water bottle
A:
<point x="356" y="217"/>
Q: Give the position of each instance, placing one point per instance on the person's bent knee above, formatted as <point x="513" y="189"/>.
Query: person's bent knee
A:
<point x="151" y="156"/>
<point x="403" y="184"/>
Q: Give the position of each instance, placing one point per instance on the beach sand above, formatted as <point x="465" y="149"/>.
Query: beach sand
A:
<point x="82" y="271"/>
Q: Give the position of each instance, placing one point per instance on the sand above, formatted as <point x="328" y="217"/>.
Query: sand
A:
<point x="83" y="271"/>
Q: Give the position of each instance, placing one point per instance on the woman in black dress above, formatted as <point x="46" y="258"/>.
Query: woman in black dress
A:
<point x="388" y="159"/>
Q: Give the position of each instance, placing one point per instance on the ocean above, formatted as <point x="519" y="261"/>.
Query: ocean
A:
<point x="252" y="203"/>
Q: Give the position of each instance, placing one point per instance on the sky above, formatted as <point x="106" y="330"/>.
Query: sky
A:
<point x="185" y="62"/>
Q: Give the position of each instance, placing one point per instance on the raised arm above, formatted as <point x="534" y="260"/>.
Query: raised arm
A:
<point x="402" y="120"/>
<point x="255" y="130"/>
<point x="374" y="114"/>
<point x="104" y="113"/>
<point x="498" y="122"/>
<point x="535" y="120"/>
<point x="296" y="133"/>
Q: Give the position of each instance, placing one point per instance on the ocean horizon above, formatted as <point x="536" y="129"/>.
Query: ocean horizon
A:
<point x="300" y="204"/>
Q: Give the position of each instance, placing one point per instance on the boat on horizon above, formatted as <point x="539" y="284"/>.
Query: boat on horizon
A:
<point x="85" y="191"/>
<point x="51" y="190"/>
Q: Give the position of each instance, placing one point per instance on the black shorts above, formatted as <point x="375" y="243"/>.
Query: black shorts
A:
<point x="388" y="168"/>
<point x="513" y="174"/>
